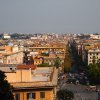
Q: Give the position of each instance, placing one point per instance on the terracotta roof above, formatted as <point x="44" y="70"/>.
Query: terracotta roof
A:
<point x="26" y="66"/>
<point x="97" y="45"/>
<point x="1" y="55"/>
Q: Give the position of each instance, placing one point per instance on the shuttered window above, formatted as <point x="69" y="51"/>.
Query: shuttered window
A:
<point x="31" y="96"/>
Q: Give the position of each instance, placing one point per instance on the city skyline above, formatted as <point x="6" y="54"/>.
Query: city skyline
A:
<point x="58" y="16"/>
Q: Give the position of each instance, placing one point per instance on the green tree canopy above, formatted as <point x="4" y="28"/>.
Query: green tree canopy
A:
<point x="5" y="88"/>
<point x="65" y="95"/>
<point x="57" y="62"/>
<point x="67" y="60"/>
<point x="44" y="65"/>
<point x="93" y="73"/>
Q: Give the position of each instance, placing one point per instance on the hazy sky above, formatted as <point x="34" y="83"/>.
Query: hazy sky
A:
<point x="49" y="16"/>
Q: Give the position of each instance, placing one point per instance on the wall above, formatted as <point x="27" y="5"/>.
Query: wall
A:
<point x="14" y="58"/>
<point x="23" y="75"/>
<point x="48" y="94"/>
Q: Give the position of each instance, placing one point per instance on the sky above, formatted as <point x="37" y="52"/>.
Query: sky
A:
<point x="57" y="16"/>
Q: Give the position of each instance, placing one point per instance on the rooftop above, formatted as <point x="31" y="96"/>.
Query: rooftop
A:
<point x="37" y="84"/>
<point x="26" y="66"/>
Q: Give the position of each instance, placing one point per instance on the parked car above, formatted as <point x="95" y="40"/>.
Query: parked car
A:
<point x="71" y="80"/>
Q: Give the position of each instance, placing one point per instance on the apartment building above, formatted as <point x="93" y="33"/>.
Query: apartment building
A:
<point x="5" y="49"/>
<point x="47" y="54"/>
<point x="95" y="36"/>
<point x="46" y="49"/>
<point x="13" y="58"/>
<point x="11" y="55"/>
<point x="38" y="61"/>
<point x="32" y="83"/>
<point x="93" y="56"/>
<point x="88" y="50"/>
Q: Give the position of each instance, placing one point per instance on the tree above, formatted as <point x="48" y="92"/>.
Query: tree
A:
<point x="5" y="88"/>
<point x="65" y="95"/>
<point x="44" y="65"/>
<point x="93" y="73"/>
<point x="45" y="54"/>
<point x="57" y="62"/>
<point x="94" y="60"/>
<point x="67" y="60"/>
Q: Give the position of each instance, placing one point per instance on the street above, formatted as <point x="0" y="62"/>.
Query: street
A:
<point x="80" y="92"/>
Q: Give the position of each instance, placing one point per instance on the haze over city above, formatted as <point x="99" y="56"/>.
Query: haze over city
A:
<point x="49" y="49"/>
<point x="29" y="16"/>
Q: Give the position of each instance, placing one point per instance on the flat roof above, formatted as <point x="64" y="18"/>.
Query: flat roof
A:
<point x="37" y="84"/>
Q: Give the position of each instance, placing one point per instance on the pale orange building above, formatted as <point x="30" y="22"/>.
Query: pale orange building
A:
<point x="33" y="83"/>
<point x="5" y="49"/>
<point x="38" y="61"/>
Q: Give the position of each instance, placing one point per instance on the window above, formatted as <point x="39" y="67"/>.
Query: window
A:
<point x="8" y="61"/>
<point x="17" y="96"/>
<point x="42" y="95"/>
<point x="31" y="96"/>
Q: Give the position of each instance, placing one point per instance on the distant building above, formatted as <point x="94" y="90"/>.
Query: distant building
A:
<point x="13" y="58"/>
<point x="6" y="36"/>
<point x="95" y="36"/>
<point x="93" y="56"/>
<point x="11" y="55"/>
<point x="48" y="54"/>
<point x="38" y="61"/>
<point x="5" y="49"/>
<point x="88" y="49"/>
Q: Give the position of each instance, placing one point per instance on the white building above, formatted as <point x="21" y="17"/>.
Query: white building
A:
<point x="6" y="36"/>
<point x="95" y="36"/>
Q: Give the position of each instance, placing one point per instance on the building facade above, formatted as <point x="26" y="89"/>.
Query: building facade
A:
<point x="93" y="56"/>
<point x="32" y="83"/>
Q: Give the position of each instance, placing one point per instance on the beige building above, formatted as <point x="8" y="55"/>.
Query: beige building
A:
<point x="11" y="55"/>
<point x="93" y="56"/>
<point x="88" y="49"/>
<point x="47" y="49"/>
<point x="13" y="58"/>
<point x="32" y="83"/>
<point x="95" y="36"/>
